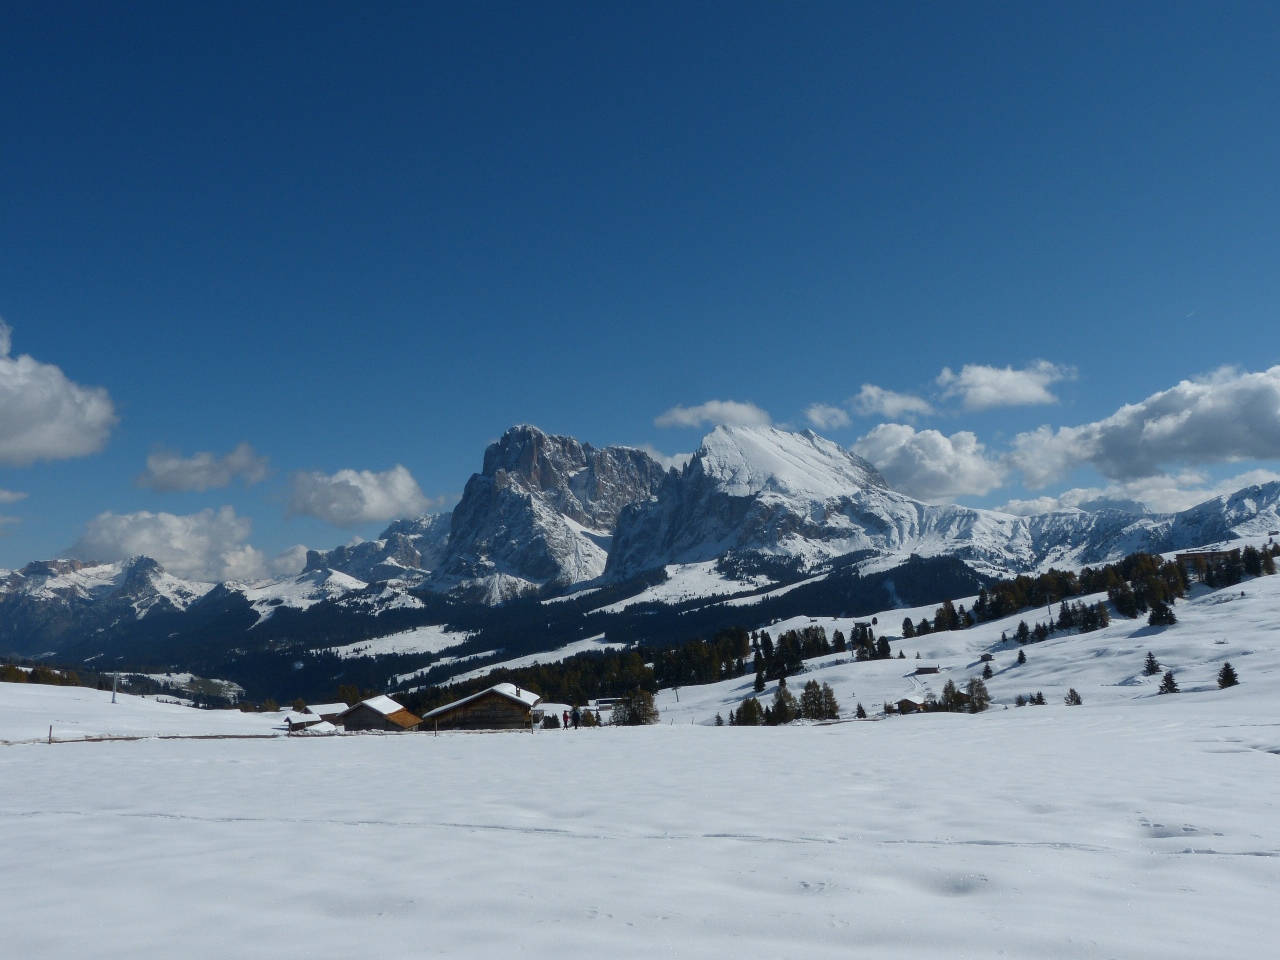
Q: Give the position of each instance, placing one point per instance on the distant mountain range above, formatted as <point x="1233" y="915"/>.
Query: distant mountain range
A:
<point x="553" y="524"/>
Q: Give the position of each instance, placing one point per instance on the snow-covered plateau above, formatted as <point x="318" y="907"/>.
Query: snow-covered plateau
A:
<point x="1134" y="826"/>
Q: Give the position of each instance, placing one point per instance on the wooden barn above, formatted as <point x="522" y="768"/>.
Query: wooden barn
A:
<point x="911" y="705"/>
<point x="378" y="713"/>
<point x="501" y="707"/>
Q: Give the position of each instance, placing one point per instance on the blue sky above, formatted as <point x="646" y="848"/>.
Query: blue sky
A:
<point x="356" y="238"/>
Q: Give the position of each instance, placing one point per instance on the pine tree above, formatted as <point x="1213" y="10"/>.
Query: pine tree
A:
<point x="1038" y="699"/>
<point x="1023" y="633"/>
<point x="1168" y="684"/>
<point x="860" y="713"/>
<point x="830" y="706"/>
<point x="901" y="655"/>
<point x="784" y="704"/>
<point x="1022" y="657"/>
<point x="811" y="701"/>
<point x="759" y="684"/>
<point x="979" y="697"/>
<point x="987" y="672"/>
<point x="750" y="714"/>
<point x="1019" y="701"/>
<point x="1227" y="676"/>
<point x="1152" y="666"/>
<point x="950" y="699"/>
<point x="1161" y="615"/>
<point x="719" y="720"/>
<point x="908" y="628"/>
<point x="1072" y="699"/>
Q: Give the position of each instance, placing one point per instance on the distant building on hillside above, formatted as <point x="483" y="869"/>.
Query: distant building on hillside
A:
<point x="503" y="706"/>
<point x="1194" y="562"/>
<point x="327" y="711"/>
<point x="911" y="704"/>
<point x="986" y="658"/>
<point x="927" y="669"/>
<point x="378" y="713"/>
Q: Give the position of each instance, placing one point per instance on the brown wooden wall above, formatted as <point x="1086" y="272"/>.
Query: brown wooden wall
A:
<point x="365" y="718"/>
<point x="490" y="712"/>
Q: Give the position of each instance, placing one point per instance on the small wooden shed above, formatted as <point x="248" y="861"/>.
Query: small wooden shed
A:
<point x="503" y="706"/>
<point x="378" y="713"/>
<point x="910" y="704"/>
<point x="927" y="669"/>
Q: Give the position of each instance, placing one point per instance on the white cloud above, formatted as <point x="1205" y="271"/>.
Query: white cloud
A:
<point x="980" y="387"/>
<point x="168" y="470"/>
<point x="929" y="465"/>
<point x="1229" y="416"/>
<point x="877" y="401"/>
<point x="11" y="496"/>
<point x="826" y="418"/>
<point x="713" y="413"/>
<point x="1163" y="493"/>
<point x="209" y="545"/>
<point x="45" y="416"/>
<point x="677" y="460"/>
<point x="351" y="497"/>
<point x="289" y="562"/>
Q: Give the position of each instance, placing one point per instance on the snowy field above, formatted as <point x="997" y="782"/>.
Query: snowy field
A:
<point x="1134" y="826"/>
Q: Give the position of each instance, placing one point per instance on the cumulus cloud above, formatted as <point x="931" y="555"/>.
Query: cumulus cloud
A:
<point x="209" y="545"/>
<point x="980" y="387"/>
<point x="169" y="471"/>
<point x="676" y="460"/>
<point x="826" y="418"/>
<point x="1228" y="416"/>
<point x="929" y="465"/>
<point x="11" y="496"/>
<point x="877" y="401"/>
<point x="289" y="562"/>
<point x="351" y="497"/>
<point x="45" y="416"/>
<point x="713" y="413"/>
<point x="1163" y="493"/>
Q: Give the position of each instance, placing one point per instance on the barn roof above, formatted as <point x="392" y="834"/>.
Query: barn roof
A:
<point x="327" y="709"/>
<point x="509" y="690"/>
<point x="382" y="704"/>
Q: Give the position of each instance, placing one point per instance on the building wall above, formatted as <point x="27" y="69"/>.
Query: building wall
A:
<point x="490" y="712"/>
<point x="363" y="718"/>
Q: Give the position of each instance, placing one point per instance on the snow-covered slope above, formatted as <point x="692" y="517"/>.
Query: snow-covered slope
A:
<point x="1135" y="826"/>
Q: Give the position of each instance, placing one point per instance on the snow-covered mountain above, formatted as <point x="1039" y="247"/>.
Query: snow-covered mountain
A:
<point x="799" y="497"/>
<point x="754" y="508"/>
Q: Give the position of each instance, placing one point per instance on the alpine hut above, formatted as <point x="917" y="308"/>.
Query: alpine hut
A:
<point x="327" y="711"/>
<point x="503" y="706"/>
<point x="378" y="713"/>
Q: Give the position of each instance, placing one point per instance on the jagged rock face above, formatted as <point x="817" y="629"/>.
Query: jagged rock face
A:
<point x="766" y="491"/>
<point x="543" y="509"/>
<point x="406" y="550"/>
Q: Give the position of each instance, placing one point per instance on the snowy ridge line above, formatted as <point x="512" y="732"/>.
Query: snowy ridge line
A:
<point x="159" y="736"/>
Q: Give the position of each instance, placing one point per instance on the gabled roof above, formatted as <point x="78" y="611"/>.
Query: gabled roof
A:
<point x="327" y="709"/>
<point x="509" y="690"/>
<point x="382" y="704"/>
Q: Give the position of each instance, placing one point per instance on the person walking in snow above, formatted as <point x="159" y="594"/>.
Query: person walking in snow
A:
<point x="566" y="721"/>
<point x="577" y="717"/>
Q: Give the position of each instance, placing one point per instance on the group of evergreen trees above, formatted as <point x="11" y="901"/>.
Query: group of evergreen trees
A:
<point x="776" y="661"/>
<point x="817" y="702"/>
<point x="1030" y="700"/>
<point x="11" y="673"/>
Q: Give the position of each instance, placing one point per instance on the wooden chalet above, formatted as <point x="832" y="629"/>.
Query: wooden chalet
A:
<point x="378" y="713"/>
<point x="911" y="705"/>
<point x="501" y="707"/>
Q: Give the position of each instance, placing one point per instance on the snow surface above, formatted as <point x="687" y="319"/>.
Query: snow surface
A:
<point x="1135" y="826"/>
<point x="589" y="645"/>
<point x="27" y="710"/>
<point x="688" y="581"/>
<point x="430" y="639"/>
